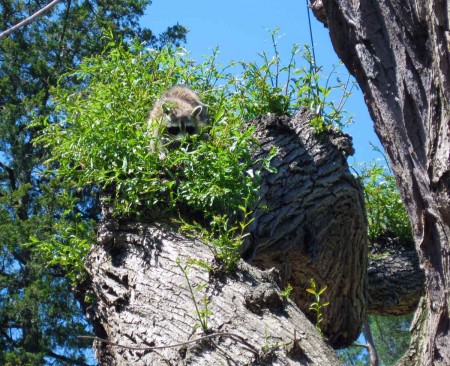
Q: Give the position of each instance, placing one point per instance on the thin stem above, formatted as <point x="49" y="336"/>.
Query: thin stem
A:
<point x="229" y="335"/>
<point x="370" y="343"/>
<point x="311" y="34"/>
<point x="202" y="321"/>
<point x="277" y="58"/>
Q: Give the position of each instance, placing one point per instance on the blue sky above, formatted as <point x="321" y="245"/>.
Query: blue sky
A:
<point x="239" y="29"/>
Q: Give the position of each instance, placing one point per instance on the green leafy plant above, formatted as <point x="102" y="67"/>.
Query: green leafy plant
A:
<point x="386" y="213"/>
<point x="282" y="89"/>
<point x="287" y="291"/>
<point x="317" y="306"/>
<point x="202" y="313"/>
<point x="100" y="136"/>
<point x="319" y="97"/>
<point x="223" y="236"/>
<point x="268" y="348"/>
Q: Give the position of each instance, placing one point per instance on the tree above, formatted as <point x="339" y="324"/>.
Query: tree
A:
<point x="223" y="189"/>
<point x="39" y="315"/>
<point x="309" y="220"/>
<point x="391" y="337"/>
<point x="398" y="52"/>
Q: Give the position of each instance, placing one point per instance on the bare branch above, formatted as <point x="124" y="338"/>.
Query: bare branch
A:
<point x="66" y="360"/>
<point x="229" y="335"/>
<point x="29" y="19"/>
<point x="370" y="343"/>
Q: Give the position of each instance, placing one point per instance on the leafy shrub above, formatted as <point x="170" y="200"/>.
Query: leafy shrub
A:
<point x="386" y="213"/>
<point x="101" y="138"/>
<point x="283" y="89"/>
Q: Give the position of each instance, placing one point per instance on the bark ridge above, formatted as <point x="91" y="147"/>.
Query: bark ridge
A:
<point x="398" y="50"/>
<point x="312" y="223"/>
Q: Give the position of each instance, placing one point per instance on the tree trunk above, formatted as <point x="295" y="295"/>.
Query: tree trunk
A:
<point x="144" y="300"/>
<point x="399" y="53"/>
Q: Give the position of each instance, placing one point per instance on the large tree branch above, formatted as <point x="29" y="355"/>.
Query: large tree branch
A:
<point x="396" y="281"/>
<point x="144" y="301"/>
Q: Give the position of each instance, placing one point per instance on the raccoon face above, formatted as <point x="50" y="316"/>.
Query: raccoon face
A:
<point x="182" y="121"/>
<point x="179" y="112"/>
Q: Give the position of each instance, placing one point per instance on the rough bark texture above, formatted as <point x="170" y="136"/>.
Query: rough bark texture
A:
<point x="398" y="50"/>
<point x="313" y="226"/>
<point x="144" y="300"/>
<point x="313" y="223"/>
<point x="396" y="282"/>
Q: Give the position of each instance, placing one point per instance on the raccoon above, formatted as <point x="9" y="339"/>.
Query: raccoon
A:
<point x="177" y="113"/>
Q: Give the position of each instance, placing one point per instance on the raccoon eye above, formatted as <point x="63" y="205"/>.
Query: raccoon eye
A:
<point x="173" y="130"/>
<point x="190" y="130"/>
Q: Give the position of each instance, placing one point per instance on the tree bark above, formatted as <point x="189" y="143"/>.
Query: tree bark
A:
<point x="311" y="222"/>
<point x="398" y="52"/>
<point x="144" y="299"/>
<point x="396" y="281"/>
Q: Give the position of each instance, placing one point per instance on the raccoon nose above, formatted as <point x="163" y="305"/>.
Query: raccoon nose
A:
<point x="190" y="130"/>
<point x="173" y="130"/>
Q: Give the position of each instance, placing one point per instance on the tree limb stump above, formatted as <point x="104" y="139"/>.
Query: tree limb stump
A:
<point x="311" y="223"/>
<point x="396" y="282"/>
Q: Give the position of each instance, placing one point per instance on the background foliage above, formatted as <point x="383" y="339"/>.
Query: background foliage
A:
<point x="96" y="133"/>
<point x="386" y="213"/>
<point x="39" y="316"/>
<point x="391" y="338"/>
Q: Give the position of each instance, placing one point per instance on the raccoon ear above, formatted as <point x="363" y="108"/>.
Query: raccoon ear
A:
<point x="167" y="107"/>
<point x="197" y="111"/>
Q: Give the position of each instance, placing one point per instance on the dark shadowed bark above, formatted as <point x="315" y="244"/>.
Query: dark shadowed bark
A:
<point x="313" y="223"/>
<point x="396" y="281"/>
<point x="398" y="50"/>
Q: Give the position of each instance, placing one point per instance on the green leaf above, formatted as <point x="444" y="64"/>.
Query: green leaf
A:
<point x="322" y="290"/>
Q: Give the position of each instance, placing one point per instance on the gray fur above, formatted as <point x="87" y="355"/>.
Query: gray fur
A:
<point x="178" y="112"/>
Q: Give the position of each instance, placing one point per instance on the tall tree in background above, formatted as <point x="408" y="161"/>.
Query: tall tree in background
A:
<point x="399" y="53"/>
<point x="39" y="316"/>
